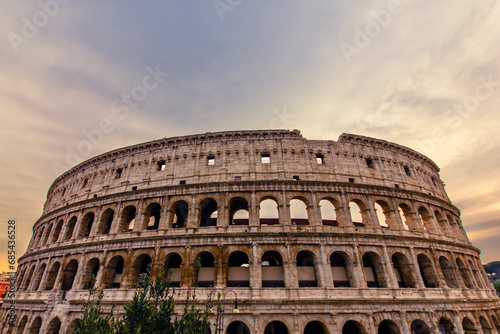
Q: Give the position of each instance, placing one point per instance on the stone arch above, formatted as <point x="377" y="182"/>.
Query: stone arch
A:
<point x="331" y="215"/>
<point x="353" y="327"/>
<point x="19" y="280"/>
<point x="173" y="269"/>
<point x="407" y="217"/>
<point x="464" y="273"/>
<point x="402" y="269"/>
<point x="238" y="271"/>
<point x="453" y="226"/>
<point x="208" y="215"/>
<point x="359" y="213"/>
<point x="276" y="327"/>
<point x="47" y="234"/>
<point x="385" y="214"/>
<point x="272" y="269"/>
<point x="442" y="222"/>
<point x="127" y="219"/>
<point x="51" y="276"/>
<point x="485" y="326"/>
<point x="238" y="211"/>
<point x="57" y="231"/>
<point x="140" y="266"/>
<point x="495" y="322"/>
<point x="342" y="269"/>
<point x="38" y="278"/>
<point x="22" y="325"/>
<point x="446" y="326"/>
<point x="152" y="216"/>
<point x="106" y="221"/>
<point x="28" y="278"/>
<point x="73" y="325"/>
<point x="39" y="238"/>
<point x="373" y="270"/>
<point x="315" y="327"/>
<point x="306" y="269"/>
<point x="268" y="211"/>
<point x="206" y="274"/>
<point x="113" y="273"/>
<point x="468" y="326"/>
<point x="54" y="326"/>
<point x="35" y="326"/>
<point x="426" y="219"/>
<point x="419" y="327"/>
<point x="427" y="271"/>
<point x="388" y="327"/>
<point x="91" y="269"/>
<point x="69" y="274"/>
<point x="448" y="272"/>
<point x="70" y="228"/>
<point x="86" y="225"/>
<point x="476" y="274"/>
<point x="180" y="209"/>
<point x="237" y="327"/>
<point x="298" y="211"/>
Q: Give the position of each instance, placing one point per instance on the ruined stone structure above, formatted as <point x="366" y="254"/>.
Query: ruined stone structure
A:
<point x="313" y="236"/>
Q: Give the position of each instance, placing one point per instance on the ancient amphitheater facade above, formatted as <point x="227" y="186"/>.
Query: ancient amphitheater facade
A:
<point x="313" y="236"/>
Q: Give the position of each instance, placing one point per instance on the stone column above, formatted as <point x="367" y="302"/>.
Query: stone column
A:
<point x="416" y="270"/>
<point x="357" y="268"/>
<point x="404" y="322"/>
<point x="346" y="213"/>
<point x="458" y="324"/>
<point x="313" y="212"/>
<point x="253" y="212"/>
<point x="325" y="268"/>
<point x="389" y="269"/>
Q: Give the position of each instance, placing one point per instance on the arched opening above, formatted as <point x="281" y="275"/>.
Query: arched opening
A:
<point x="181" y="211"/>
<point x="448" y="273"/>
<point x="485" y="326"/>
<point x="328" y="213"/>
<point x="86" y="225"/>
<point x="238" y="211"/>
<point x="206" y="274"/>
<point x="276" y="327"/>
<point x="445" y="326"/>
<point x="70" y="228"/>
<point x="69" y="274"/>
<point x="342" y="277"/>
<point x="315" y="327"/>
<point x="57" y="231"/>
<point x="238" y="271"/>
<point x="272" y="270"/>
<point x="402" y="269"/>
<point x="442" y="222"/>
<point x="388" y="327"/>
<point x="54" y="326"/>
<point x="173" y="265"/>
<point x="353" y="327"/>
<point x="208" y="215"/>
<point x="28" y="279"/>
<point x="152" y="216"/>
<point x="35" y="326"/>
<point x="127" y="220"/>
<point x="140" y="267"/>
<point x="495" y="322"/>
<point x="305" y="270"/>
<point x="464" y="273"/>
<point x="383" y="214"/>
<point x="427" y="271"/>
<point x="38" y="278"/>
<point x="47" y="234"/>
<point x="476" y="275"/>
<point x="113" y="274"/>
<point x="406" y="215"/>
<point x="426" y="219"/>
<point x="73" y="326"/>
<point x="468" y="326"/>
<point x="39" y="238"/>
<point x="358" y="213"/>
<point x="91" y="269"/>
<point x="454" y="228"/>
<point x="373" y="270"/>
<point x="268" y="212"/>
<point x="237" y="327"/>
<point x="419" y="327"/>
<point x="51" y="276"/>
<point x="22" y="325"/>
<point x="106" y="221"/>
<point x="298" y="212"/>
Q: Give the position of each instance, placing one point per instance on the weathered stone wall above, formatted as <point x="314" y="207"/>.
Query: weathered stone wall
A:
<point x="413" y="272"/>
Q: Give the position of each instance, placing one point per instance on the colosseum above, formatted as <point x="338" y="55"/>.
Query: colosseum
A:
<point x="350" y="236"/>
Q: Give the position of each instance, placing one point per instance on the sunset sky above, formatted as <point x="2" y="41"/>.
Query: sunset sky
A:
<point x="424" y="74"/>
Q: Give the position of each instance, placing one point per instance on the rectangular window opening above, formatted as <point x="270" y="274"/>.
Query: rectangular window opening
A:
<point x="396" y="185"/>
<point x="266" y="158"/>
<point x="296" y="177"/>
<point x="118" y="173"/>
<point x="320" y="159"/>
<point x="182" y="182"/>
<point x="85" y="181"/>
<point x="211" y="160"/>
<point x="351" y="180"/>
<point x="407" y="171"/>
<point x="237" y="178"/>
<point x="369" y="163"/>
<point x="161" y="165"/>
<point x="134" y="188"/>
